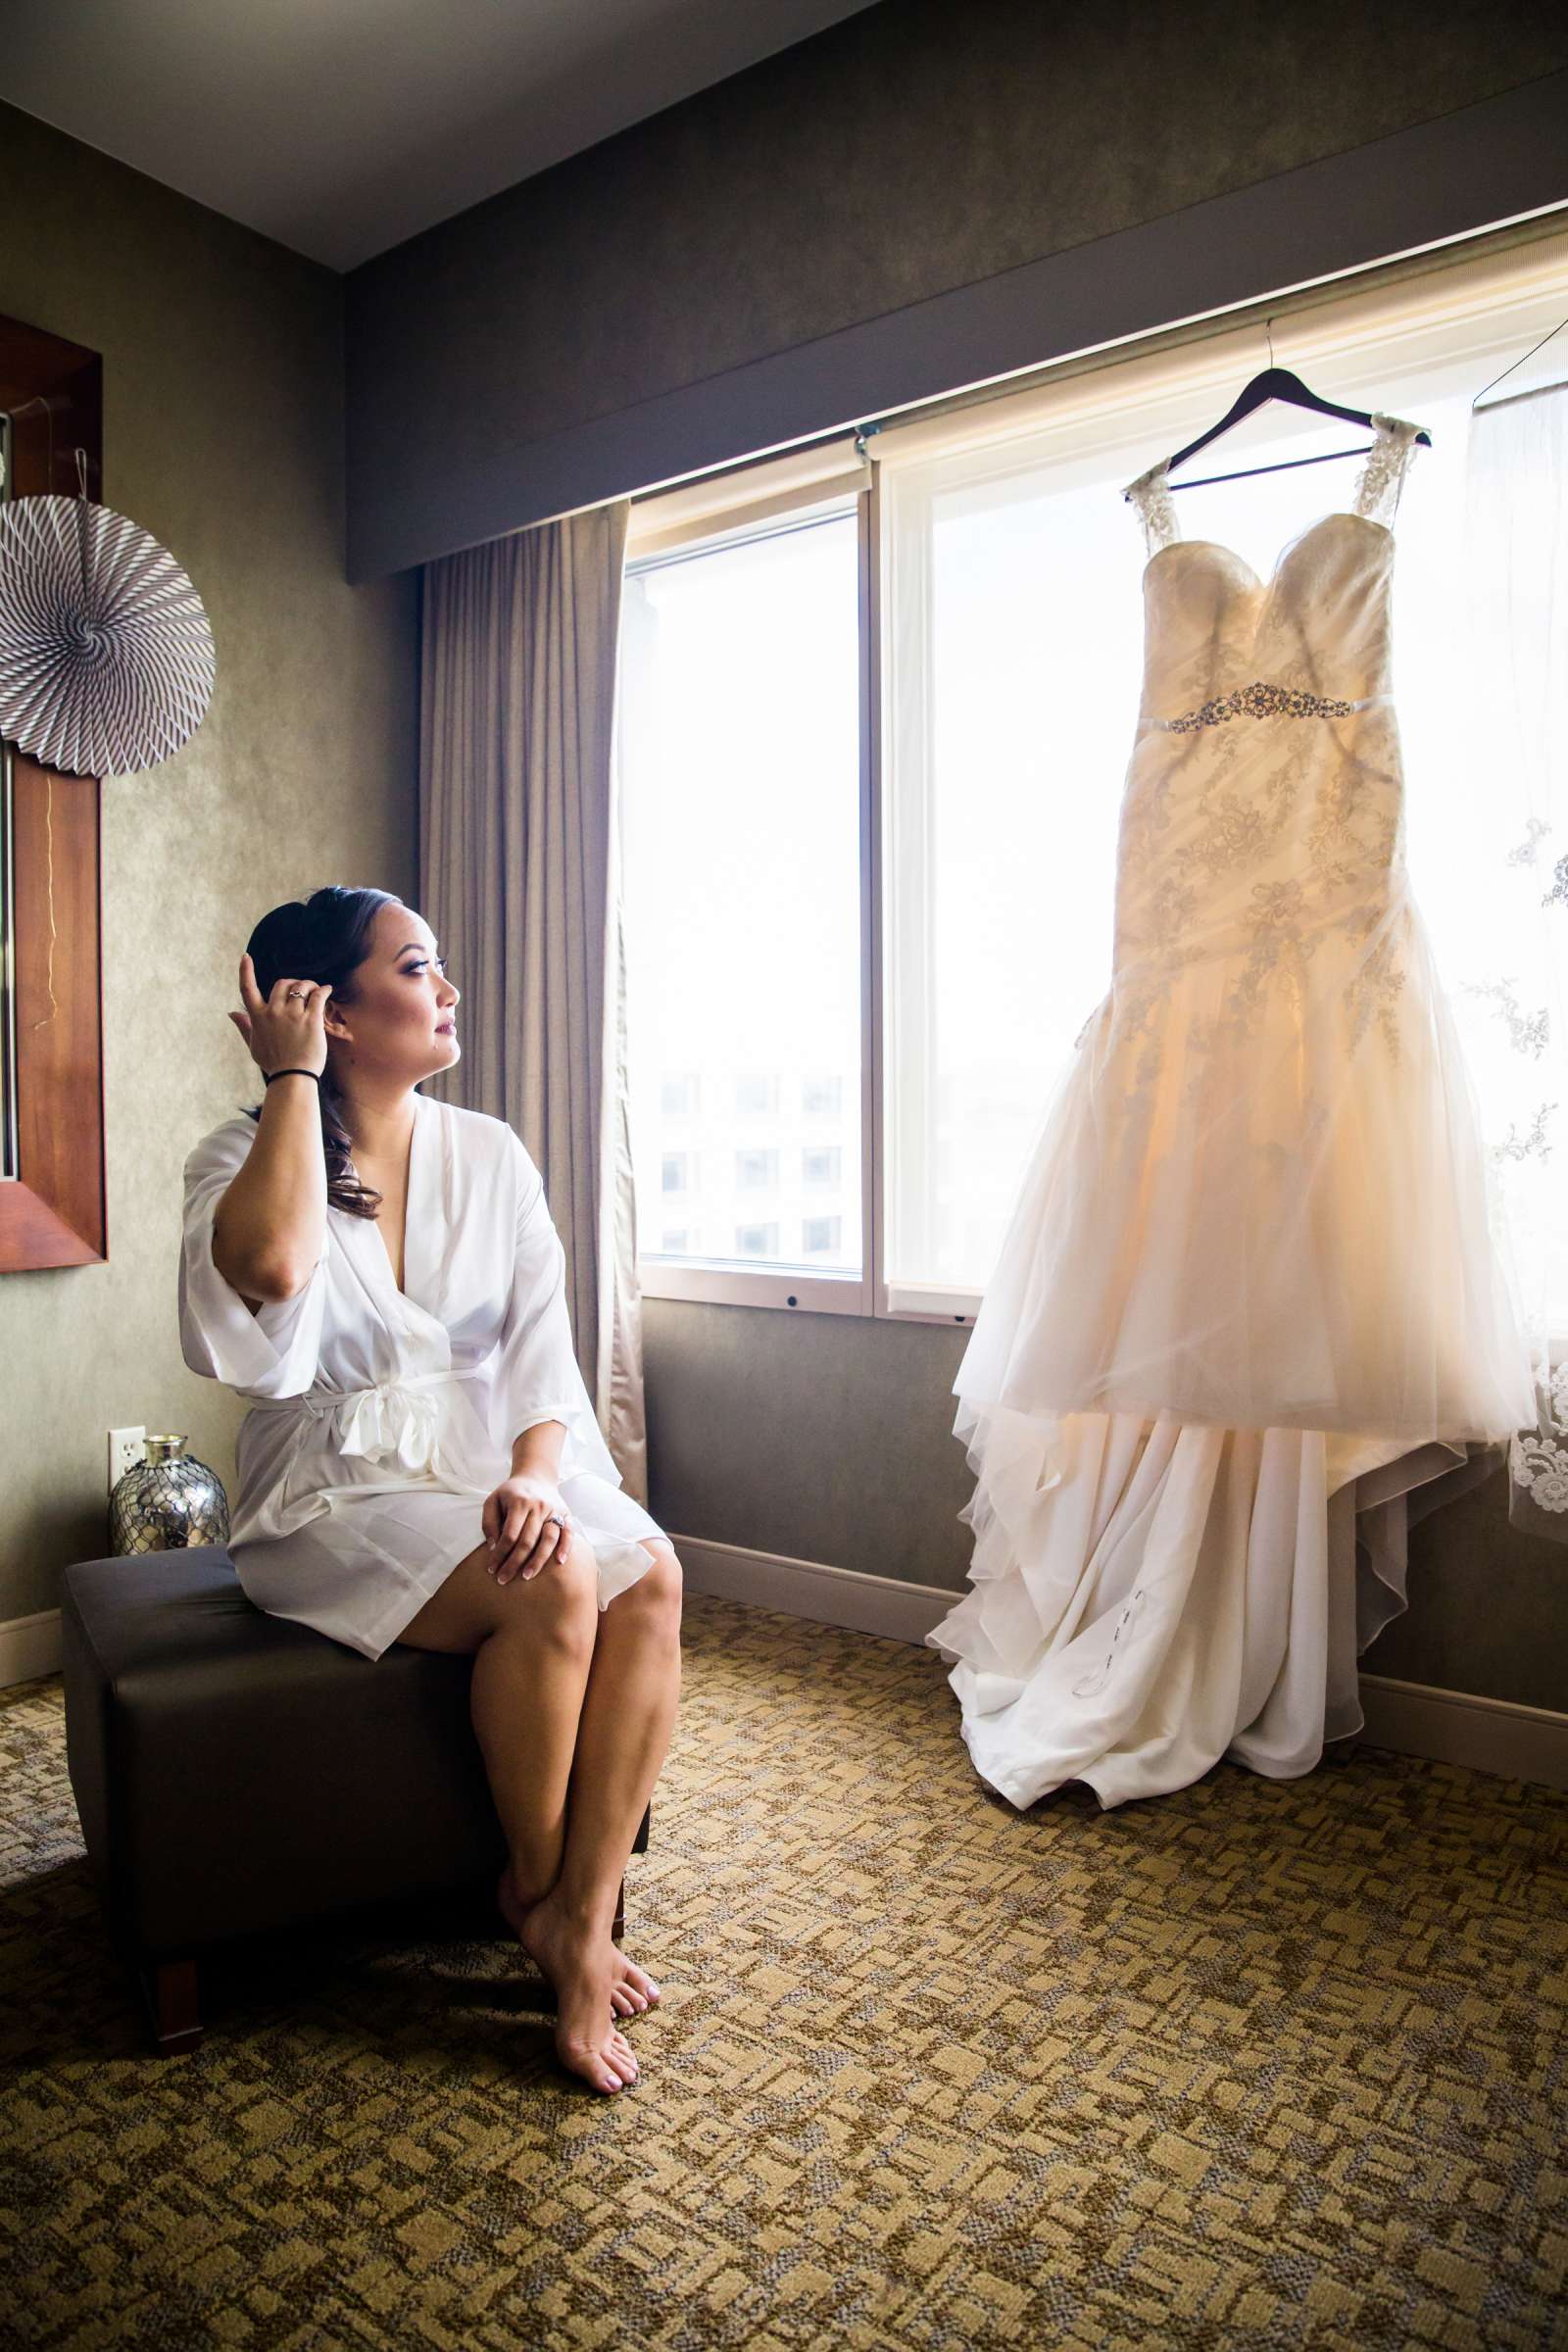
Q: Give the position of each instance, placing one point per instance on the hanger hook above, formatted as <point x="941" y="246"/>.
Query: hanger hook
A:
<point x="1268" y="330"/>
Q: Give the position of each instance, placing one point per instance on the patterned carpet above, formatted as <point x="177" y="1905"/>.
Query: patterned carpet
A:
<point x="1261" y="2064"/>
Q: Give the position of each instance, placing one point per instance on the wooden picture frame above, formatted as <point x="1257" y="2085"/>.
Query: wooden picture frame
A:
<point x="52" y="1190"/>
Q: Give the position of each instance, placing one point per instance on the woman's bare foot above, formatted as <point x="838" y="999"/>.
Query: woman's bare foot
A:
<point x="632" y="1988"/>
<point x="577" y="1960"/>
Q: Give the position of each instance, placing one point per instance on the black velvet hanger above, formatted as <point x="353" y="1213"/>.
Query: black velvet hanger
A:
<point x="1270" y="383"/>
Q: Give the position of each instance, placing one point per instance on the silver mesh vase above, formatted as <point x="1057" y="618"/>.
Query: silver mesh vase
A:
<point x="167" y="1503"/>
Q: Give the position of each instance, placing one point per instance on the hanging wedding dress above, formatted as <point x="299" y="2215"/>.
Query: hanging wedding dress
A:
<point x="1248" y="1309"/>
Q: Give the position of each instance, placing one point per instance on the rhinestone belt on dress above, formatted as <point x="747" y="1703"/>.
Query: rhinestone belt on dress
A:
<point x="1260" y="700"/>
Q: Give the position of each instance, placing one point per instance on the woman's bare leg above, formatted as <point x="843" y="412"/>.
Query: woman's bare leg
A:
<point x="624" y="1735"/>
<point x="628" y="1715"/>
<point x="527" y="1699"/>
<point x="532" y="1642"/>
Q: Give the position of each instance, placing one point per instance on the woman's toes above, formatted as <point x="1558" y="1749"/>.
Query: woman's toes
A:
<point x="614" y="2065"/>
<point x="608" y="2066"/>
<point x="633" y="1979"/>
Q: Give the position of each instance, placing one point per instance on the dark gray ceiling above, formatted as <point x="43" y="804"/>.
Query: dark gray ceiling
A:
<point x="342" y="127"/>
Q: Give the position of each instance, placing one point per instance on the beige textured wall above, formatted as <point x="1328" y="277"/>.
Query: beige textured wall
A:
<point x="223" y="437"/>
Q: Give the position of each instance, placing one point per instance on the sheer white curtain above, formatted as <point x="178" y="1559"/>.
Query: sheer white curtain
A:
<point x="1510" y="973"/>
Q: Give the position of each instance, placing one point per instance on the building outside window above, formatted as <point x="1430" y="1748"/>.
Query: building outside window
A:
<point x="756" y="1170"/>
<point x="740" y="753"/>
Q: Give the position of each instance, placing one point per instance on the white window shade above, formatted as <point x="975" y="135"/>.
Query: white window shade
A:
<point x="797" y="481"/>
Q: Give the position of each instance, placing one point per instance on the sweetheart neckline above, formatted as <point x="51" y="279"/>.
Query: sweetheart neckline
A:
<point x="1269" y="580"/>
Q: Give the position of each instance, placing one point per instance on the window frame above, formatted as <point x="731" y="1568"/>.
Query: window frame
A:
<point x="738" y="1282"/>
<point x="732" y="1282"/>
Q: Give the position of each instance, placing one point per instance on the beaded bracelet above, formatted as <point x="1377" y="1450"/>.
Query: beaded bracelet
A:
<point x="291" y="1073"/>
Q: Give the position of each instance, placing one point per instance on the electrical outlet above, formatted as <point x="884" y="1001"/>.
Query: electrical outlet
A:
<point x="125" y="1447"/>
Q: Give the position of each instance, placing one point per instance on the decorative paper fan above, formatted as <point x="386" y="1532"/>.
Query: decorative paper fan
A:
<point x="106" y="655"/>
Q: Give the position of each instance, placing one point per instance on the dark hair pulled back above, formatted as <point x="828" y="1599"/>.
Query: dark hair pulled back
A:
<point x="326" y="937"/>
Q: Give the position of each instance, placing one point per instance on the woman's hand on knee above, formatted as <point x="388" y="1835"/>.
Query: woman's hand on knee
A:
<point x="527" y="1526"/>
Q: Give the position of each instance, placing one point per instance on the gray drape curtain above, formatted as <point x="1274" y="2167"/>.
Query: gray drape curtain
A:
<point x="519" y="877"/>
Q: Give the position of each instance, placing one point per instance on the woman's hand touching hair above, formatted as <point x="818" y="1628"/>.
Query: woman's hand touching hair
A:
<point x="283" y="1032"/>
<point x="270" y="1227"/>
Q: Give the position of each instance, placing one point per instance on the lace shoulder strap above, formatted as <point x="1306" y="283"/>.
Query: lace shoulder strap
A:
<point x="1382" y="477"/>
<point x="1151" y="498"/>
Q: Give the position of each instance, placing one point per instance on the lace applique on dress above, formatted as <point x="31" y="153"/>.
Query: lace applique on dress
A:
<point x="1377" y="493"/>
<point x="1152" y="500"/>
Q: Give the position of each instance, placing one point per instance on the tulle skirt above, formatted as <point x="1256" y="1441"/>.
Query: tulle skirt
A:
<point x="1251" y="1318"/>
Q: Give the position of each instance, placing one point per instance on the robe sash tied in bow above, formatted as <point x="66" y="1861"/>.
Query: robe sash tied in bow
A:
<point x="398" y="1421"/>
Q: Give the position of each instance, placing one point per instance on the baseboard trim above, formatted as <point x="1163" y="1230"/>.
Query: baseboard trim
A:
<point x="1460" y="1726"/>
<point x="847" y="1596"/>
<point x="30" y="1648"/>
<point x="1446" y="1727"/>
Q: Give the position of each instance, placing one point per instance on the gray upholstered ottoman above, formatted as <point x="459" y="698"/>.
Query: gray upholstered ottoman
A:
<point x="238" y="1773"/>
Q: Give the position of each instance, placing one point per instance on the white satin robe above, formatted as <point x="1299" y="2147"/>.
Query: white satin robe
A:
<point x="380" y="1419"/>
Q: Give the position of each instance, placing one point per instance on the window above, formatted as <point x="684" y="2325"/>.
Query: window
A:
<point x="1002" y="819"/>
<point x="741" y="753"/>
<point x="754" y="1170"/>
<point x="1002" y="577"/>
<point x="1012" y="653"/>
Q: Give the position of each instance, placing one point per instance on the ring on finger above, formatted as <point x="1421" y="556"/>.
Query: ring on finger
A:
<point x="552" y="1519"/>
